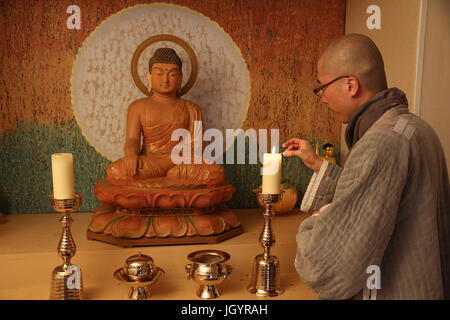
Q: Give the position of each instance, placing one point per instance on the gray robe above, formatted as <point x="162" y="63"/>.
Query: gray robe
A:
<point x="389" y="206"/>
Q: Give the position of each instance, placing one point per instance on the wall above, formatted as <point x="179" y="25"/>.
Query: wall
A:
<point x="279" y="40"/>
<point x="415" y="45"/>
<point x="435" y="94"/>
<point x="397" y="40"/>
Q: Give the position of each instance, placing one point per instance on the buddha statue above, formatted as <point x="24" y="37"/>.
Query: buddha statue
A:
<point x="156" y="117"/>
<point x="328" y="150"/>
<point x="147" y="199"/>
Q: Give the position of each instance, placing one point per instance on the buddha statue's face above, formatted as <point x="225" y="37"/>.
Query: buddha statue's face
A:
<point x="329" y="151"/>
<point x="165" y="78"/>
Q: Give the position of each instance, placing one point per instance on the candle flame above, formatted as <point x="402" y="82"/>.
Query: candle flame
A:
<point x="273" y="149"/>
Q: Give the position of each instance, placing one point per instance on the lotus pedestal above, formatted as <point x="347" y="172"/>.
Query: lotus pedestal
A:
<point x="132" y="216"/>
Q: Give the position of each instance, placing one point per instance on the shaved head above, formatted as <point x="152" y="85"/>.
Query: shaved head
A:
<point x="355" y="55"/>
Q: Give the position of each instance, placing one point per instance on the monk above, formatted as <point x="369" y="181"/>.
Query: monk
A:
<point x="380" y="225"/>
<point x="155" y="118"/>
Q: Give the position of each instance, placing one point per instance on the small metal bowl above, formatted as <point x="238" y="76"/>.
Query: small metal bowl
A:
<point x="138" y="290"/>
<point x="208" y="269"/>
<point x="139" y="274"/>
<point x="139" y="267"/>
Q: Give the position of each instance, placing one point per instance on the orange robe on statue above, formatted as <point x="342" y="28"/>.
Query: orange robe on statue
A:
<point x="155" y="156"/>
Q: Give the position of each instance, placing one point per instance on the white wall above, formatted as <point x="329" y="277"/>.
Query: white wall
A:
<point x="435" y="95"/>
<point x="397" y="40"/>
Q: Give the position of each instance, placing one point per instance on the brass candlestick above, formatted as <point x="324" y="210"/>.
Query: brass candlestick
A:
<point x="67" y="282"/>
<point x="265" y="280"/>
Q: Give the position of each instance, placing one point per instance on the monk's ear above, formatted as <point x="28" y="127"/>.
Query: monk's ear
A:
<point x="149" y="81"/>
<point x="352" y="86"/>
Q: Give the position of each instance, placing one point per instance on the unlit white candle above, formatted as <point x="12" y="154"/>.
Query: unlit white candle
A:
<point x="62" y="171"/>
<point x="271" y="173"/>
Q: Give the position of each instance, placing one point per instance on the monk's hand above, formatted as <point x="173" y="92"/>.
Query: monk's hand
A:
<point x="131" y="163"/>
<point x="303" y="149"/>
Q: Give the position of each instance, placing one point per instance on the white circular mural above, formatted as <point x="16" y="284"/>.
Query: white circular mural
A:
<point x="102" y="83"/>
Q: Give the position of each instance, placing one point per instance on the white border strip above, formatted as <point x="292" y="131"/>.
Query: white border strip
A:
<point x="420" y="53"/>
<point x="313" y="185"/>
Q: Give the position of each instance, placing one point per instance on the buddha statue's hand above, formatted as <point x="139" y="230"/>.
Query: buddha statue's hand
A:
<point x="131" y="163"/>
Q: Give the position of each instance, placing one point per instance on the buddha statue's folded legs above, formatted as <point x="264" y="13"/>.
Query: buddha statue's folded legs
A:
<point x="157" y="171"/>
<point x="197" y="174"/>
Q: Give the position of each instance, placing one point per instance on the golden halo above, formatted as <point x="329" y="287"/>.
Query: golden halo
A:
<point x="164" y="37"/>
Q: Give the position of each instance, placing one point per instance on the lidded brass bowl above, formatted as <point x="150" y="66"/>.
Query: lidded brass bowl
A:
<point x="139" y="273"/>
<point x="139" y="267"/>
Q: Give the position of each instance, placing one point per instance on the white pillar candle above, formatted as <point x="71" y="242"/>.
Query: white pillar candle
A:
<point x="62" y="171"/>
<point x="271" y="173"/>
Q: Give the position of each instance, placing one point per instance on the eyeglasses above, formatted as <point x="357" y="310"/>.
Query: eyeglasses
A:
<point x="319" y="91"/>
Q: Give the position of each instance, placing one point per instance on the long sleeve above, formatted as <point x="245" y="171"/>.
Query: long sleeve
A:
<point x="321" y="188"/>
<point x="352" y="232"/>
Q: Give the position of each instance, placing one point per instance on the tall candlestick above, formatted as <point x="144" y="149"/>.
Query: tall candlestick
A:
<point x="271" y="173"/>
<point x="265" y="281"/>
<point x="62" y="171"/>
<point x="67" y="282"/>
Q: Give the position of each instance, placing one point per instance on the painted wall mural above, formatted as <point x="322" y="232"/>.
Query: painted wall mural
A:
<point x="67" y="90"/>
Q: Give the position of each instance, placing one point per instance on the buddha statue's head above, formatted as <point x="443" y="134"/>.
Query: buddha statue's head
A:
<point x="165" y="74"/>
<point x="328" y="150"/>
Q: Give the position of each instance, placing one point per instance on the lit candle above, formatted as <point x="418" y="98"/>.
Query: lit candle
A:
<point x="271" y="173"/>
<point x="62" y="171"/>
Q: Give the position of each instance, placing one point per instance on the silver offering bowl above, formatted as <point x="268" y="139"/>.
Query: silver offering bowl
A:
<point x="139" y="274"/>
<point x="208" y="269"/>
